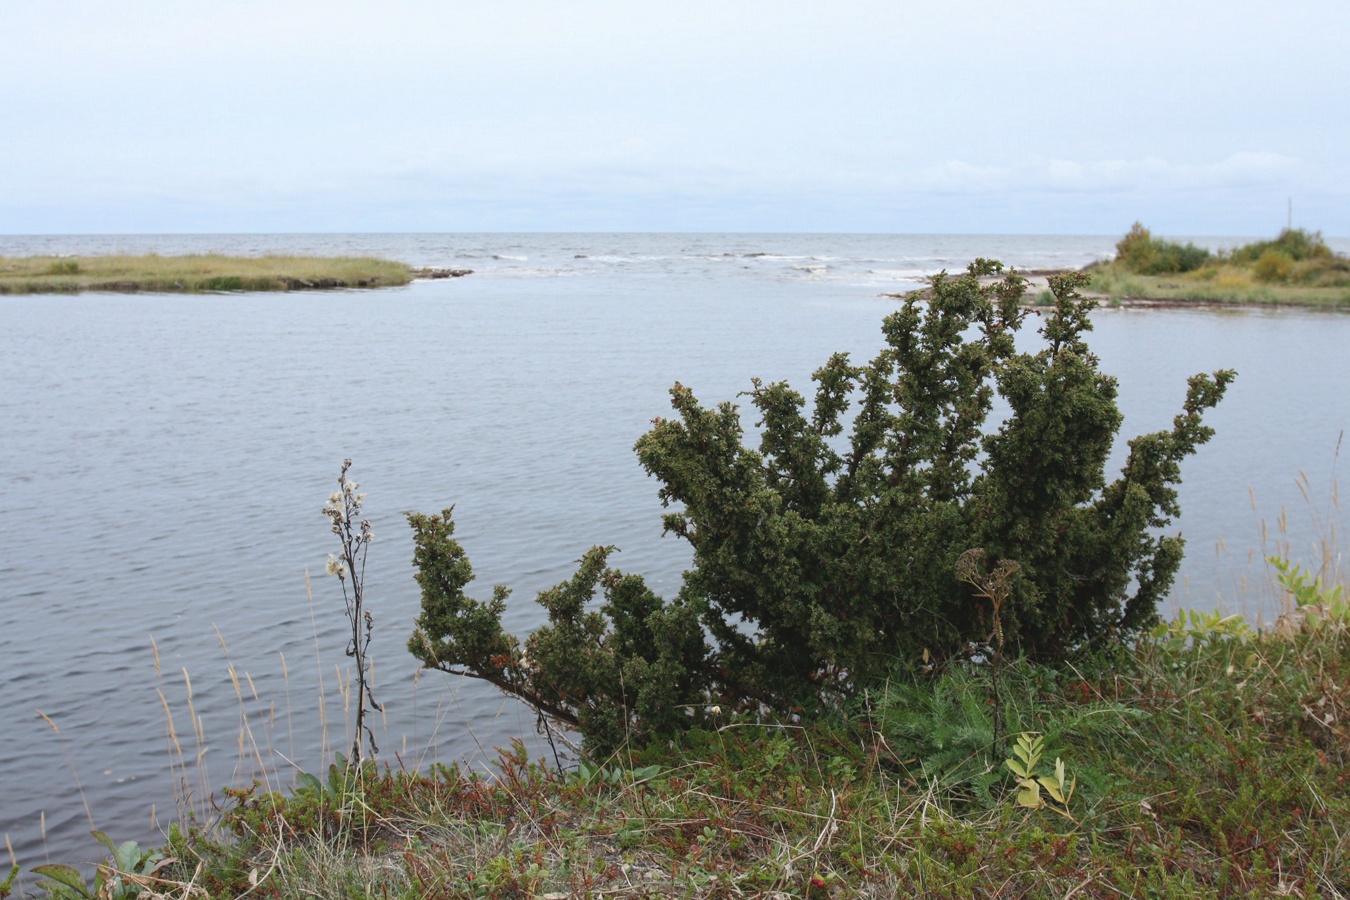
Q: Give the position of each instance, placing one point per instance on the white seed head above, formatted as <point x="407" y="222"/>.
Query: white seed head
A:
<point x="334" y="567"/>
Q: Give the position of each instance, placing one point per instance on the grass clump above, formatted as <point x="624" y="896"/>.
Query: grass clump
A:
<point x="198" y="273"/>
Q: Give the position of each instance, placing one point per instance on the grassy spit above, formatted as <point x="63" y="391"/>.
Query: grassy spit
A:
<point x="1295" y="268"/>
<point x="1208" y="761"/>
<point x="195" y="273"/>
<point x="1225" y="284"/>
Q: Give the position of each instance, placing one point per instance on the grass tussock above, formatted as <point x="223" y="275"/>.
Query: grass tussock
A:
<point x="196" y="273"/>
<point x="1208" y="761"/>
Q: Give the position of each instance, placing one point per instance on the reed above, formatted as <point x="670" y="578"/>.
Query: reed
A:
<point x="195" y="273"/>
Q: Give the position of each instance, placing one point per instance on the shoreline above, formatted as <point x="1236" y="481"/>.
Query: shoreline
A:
<point x="1038" y="284"/>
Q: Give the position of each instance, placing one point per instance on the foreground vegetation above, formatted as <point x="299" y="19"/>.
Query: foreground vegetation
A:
<point x="195" y="274"/>
<point x="1296" y="268"/>
<point x="1208" y="760"/>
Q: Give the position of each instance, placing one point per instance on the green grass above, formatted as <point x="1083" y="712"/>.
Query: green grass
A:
<point x="195" y="274"/>
<point x="1208" y="762"/>
<point x="1213" y="284"/>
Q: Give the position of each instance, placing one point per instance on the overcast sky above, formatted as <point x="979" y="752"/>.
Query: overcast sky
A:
<point x="1198" y="117"/>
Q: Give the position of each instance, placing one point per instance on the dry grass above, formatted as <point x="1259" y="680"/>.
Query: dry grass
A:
<point x="195" y="274"/>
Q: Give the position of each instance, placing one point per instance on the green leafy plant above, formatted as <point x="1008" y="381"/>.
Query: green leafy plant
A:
<point x="829" y="555"/>
<point x="1039" y="788"/>
<point x="1198" y="628"/>
<point x="128" y="872"/>
<point x="344" y="782"/>
<point x="940" y="729"/>
<point x="1316" y="604"/>
<point x="589" y="773"/>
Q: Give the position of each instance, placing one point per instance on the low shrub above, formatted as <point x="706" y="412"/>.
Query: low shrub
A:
<point x="822" y="560"/>
<point x="1295" y="243"/>
<point x="1140" y="252"/>
<point x="1273" y="266"/>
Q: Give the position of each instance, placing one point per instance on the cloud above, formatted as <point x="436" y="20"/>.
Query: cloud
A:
<point x="1246" y="169"/>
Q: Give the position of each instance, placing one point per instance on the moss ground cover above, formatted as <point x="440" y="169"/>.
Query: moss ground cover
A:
<point x="196" y="273"/>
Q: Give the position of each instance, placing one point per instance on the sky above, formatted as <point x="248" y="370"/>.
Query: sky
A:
<point x="1196" y="117"/>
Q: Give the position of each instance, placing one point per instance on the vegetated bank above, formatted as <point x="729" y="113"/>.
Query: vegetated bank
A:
<point x="1208" y="761"/>
<point x="1297" y="268"/>
<point x="200" y="273"/>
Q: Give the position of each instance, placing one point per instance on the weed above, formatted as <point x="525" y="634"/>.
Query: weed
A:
<point x="1194" y="627"/>
<point x="1317" y="605"/>
<point x="1031" y="778"/>
<point x="343" y="509"/>
<point x="129" y="871"/>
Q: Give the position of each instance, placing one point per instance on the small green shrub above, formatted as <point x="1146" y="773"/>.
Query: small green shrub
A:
<point x="824" y="560"/>
<point x="1141" y="253"/>
<point x="1295" y="243"/>
<point x="1273" y="266"/>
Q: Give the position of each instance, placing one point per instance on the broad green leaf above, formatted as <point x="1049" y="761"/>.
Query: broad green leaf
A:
<point x="65" y="875"/>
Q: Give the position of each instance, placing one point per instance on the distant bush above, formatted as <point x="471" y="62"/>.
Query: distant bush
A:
<point x="1144" y="254"/>
<point x="1294" y="243"/>
<point x="1322" y="271"/>
<point x="832" y="554"/>
<point x="1273" y="266"/>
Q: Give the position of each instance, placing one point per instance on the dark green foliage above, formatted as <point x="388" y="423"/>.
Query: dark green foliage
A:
<point x="633" y="666"/>
<point x="1144" y="254"/>
<point x="825" y="559"/>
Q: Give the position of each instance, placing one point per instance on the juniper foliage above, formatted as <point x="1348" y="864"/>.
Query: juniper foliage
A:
<point x="827" y="558"/>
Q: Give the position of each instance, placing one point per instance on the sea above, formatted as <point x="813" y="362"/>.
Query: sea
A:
<point x="168" y="629"/>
